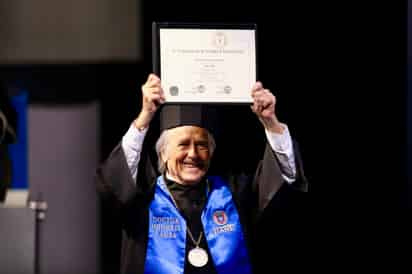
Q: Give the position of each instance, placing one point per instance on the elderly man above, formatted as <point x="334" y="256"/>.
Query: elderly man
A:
<point x="180" y="219"/>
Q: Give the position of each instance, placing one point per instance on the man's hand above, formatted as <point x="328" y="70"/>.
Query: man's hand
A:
<point x="153" y="97"/>
<point x="264" y="107"/>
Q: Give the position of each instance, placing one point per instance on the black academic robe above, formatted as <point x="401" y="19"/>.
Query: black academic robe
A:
<point x="270" y="210"/>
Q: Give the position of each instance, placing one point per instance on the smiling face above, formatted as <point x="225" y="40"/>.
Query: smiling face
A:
<point x="187" y="154"/>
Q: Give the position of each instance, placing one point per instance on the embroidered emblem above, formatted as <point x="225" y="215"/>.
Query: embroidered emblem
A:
<point x="220" y="217"/>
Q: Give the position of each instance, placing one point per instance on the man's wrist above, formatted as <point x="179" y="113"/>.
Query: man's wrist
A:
<point x="273" y="125"/>
<point x="143" y="120"/>
<point x="140" y="127"/>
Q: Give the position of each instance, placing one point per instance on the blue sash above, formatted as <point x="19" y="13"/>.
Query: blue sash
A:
<point x="166" y="247"/>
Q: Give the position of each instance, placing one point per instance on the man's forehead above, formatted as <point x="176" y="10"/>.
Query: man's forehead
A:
<point x="187" y="131"/>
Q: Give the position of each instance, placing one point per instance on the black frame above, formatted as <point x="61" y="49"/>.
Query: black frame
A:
<point x="156" y="26"/>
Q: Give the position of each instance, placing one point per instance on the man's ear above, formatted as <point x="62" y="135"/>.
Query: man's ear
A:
<point x="163" y="159"/>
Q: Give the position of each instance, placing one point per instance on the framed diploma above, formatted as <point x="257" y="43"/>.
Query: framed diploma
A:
<point x="205" y="63"/>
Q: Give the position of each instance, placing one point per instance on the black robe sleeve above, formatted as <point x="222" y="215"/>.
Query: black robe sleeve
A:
<point x="268" y="182"/>
<point x="125" y="205"/>
<point x="280" y="231"/>
<point x="115" y="182"/>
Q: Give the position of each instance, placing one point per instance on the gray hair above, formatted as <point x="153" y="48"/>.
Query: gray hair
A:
<point x="162" y="142"/>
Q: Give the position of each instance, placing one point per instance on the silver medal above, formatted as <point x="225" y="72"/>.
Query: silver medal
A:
<point x="197" y="257"/>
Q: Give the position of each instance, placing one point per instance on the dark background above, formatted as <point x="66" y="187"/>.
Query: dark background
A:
<point x="338" y="71"/>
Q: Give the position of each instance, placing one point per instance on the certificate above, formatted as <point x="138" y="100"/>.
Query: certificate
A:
<point x="199" y="63"/>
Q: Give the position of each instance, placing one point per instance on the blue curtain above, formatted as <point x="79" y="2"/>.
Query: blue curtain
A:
<point x="18" y="150"/>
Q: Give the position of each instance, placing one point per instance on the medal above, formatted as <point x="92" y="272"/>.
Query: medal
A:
<point x="197" y="257"/>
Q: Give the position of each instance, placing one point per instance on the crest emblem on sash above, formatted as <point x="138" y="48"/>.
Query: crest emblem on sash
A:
<point x="220" y="217"/>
